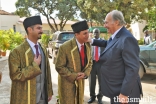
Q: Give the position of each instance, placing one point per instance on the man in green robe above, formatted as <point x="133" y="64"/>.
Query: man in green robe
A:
<point x="29" y="68"/>
<point x="73" y="65"/>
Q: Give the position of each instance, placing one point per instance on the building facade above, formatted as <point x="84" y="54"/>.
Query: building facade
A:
<point x="10" y="21"/>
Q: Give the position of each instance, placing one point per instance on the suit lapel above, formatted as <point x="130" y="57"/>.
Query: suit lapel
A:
<point x="43" y="49"/>
<point x="110" y="45"/>
<point x="28" y="51"/>
<point x="75" y="56"/>
<point x="116" y="38"/>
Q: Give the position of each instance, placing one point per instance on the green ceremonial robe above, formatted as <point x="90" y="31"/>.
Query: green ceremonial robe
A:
<point x="68" y="64"/>
<point x="23" y="72"/>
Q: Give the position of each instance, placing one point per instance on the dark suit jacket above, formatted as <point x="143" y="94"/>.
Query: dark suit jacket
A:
<point x="120" y="65"/>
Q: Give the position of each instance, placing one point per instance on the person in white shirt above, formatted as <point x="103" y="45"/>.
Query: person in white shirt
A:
<point x="147" y="38"/>
<point x="94" y="74"/>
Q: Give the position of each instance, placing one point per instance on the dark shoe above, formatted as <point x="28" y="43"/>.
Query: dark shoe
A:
<point x="100" y="101"/>
<point x="91" y="99"/>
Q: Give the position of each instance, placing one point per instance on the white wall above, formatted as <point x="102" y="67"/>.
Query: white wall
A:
<point x="137" y="29"/>
<point x="7" y="21"/>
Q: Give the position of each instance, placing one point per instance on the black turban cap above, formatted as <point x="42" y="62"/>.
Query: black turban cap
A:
<point x="79" y="26"/>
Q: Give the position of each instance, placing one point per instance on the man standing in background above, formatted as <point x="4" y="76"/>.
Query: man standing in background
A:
<point x="96" y="51"/>
<point x="147" y="38"/>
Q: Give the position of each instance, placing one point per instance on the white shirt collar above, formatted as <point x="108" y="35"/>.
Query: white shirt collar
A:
<point x="31" y="43"/>
<point x="116" y="33"/>
<point x="97" y="39"/>
<point x="79" y="45"/>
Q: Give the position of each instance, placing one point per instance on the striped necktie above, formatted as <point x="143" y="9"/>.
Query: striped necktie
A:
<point x="37" y="52"/>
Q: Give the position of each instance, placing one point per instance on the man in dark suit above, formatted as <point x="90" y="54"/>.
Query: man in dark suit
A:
<point x="119" y="62"/>
<point x="96" y="51"/>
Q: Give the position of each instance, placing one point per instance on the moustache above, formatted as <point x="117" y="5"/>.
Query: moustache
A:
<point x="40" y="33"/>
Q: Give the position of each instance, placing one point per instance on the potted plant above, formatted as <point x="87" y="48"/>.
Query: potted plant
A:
<point x="4" y="38"/>
<point x="15" y="39"/>
<point x="5" y="46"/>
<point x="9" y="40"/>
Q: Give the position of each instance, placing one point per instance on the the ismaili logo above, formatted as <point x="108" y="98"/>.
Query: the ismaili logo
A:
<point x="145" y="99"/>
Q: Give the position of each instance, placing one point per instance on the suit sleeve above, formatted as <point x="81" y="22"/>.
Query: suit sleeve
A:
<point x="61" y="67"/>
<point x="100" y="43"/>
<point x="130" y="56"/>
<point x="19" y="73"/>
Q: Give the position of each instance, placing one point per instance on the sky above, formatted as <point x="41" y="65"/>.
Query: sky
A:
<point x="8" y="5"/>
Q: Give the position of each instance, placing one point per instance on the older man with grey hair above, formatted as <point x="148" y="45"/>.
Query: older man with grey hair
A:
<point x="119" y="62"/>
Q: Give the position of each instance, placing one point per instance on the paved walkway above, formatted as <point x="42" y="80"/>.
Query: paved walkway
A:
<point x="5" y="86"/>
<point x="86" y="94"/>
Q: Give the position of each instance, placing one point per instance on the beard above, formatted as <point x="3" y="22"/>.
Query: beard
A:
<point x="40" y="35"/>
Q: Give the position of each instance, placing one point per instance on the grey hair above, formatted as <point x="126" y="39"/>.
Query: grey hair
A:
<point x="118" y="16"/>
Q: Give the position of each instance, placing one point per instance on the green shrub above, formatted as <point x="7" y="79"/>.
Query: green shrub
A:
<point x="44" y="40"/>
<point x="141" y="41"/>
<point x="10" y="39"/>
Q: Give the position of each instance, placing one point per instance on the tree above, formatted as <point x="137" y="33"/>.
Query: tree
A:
<point x="22" y="12"/>
<point x="151" y="17"/>
<point x="63" y="10"/>
<point x="90" y="12"/>
<point x="133" y="10"/>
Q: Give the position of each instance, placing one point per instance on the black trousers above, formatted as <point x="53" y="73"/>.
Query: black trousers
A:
<point x="92" y="80"/>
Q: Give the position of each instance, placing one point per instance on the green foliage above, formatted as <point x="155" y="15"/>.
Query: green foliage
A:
<point x="45" y="39"/>
<point x="63" y="10"/>
<point x="4" y="39"/>
<point x="133" y="10"/>
<point x="10" y="39"/>
<point x="141" y="41"/>
<point x="22" y="12"/>
<point x="105" y="36"/>
<point x="152" y="18"/>
<point x="58" y="101"/>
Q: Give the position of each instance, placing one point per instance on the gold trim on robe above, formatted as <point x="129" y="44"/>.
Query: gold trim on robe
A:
<point x="27" y="64"/>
